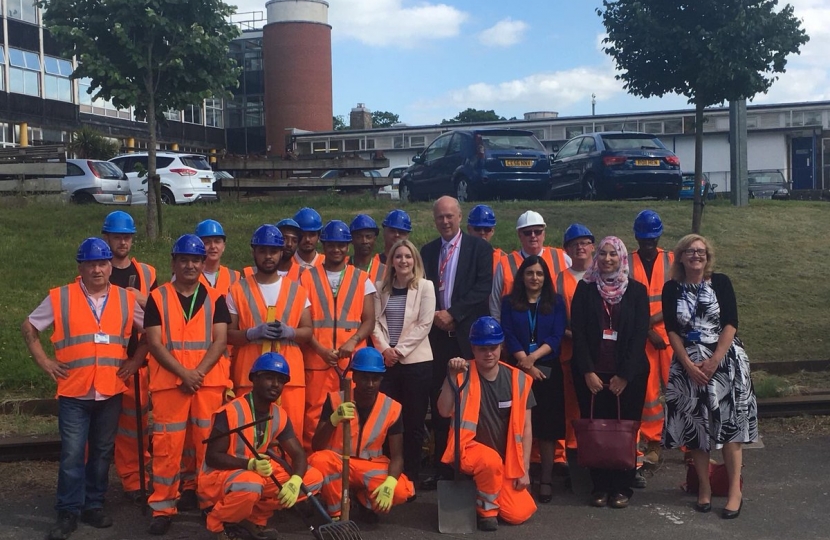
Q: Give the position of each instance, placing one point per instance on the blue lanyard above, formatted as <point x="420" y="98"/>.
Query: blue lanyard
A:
<point x="92" y="306"/>
<point x="532" y="321"/>
<point x="692" y="307"/>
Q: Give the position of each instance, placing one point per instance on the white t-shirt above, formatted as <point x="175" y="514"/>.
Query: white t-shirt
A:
<point x="577" y="274"/>
<point x="270" y="292"/>
<point x="211" y="277"/>
<point x="334" y="282"/>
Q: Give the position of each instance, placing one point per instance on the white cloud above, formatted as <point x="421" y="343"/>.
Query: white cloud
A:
<point x="504" y="33"/>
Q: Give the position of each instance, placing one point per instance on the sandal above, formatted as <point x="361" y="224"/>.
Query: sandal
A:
<point x="545" y="497"/>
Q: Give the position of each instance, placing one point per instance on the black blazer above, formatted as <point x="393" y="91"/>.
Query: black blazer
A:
<point x="471" y="290"/>
<point x="632" y="331"/>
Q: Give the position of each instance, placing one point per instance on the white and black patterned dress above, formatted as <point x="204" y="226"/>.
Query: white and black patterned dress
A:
<point x="725" y="410"/>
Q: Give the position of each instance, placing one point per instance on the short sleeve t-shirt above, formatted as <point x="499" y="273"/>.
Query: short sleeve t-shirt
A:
<point x="335" y="277"/>
<point x="270" y="292"/>
<point x="495" y="408"/>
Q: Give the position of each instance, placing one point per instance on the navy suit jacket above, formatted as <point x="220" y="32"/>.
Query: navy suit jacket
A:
<point x="550" y="327"/>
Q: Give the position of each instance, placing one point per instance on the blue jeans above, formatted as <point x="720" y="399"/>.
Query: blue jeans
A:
<point x="82" y="484"/>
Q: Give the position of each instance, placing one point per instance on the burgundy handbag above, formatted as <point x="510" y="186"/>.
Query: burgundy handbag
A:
<point x="606" y="443"/>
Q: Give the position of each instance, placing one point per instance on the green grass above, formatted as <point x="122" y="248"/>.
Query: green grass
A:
<point x="775" y="253"/>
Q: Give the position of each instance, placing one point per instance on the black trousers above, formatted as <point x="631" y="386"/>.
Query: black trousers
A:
<point x="410" y="385"/>
<point x="444" y="346"/>
<point x="605" y="406"/>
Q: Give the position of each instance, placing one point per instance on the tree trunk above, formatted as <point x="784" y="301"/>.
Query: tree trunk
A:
<point x="154" y="223"/>
<point x="697" y="208"/>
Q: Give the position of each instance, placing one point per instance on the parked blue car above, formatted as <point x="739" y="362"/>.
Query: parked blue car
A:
<point x="687" y="192"/>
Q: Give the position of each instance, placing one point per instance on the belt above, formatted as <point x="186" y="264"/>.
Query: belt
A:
<point x="450" y="333"/>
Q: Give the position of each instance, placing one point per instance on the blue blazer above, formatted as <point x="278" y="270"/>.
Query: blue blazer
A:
<point x="550" y="327"/>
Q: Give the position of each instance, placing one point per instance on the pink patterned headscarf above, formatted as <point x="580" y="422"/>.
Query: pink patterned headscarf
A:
<point x="611" y="286"/>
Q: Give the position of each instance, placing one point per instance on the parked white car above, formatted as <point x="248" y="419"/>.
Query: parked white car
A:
<point x="92" y="180"/>
<point x="185" y="178"/>
<point x="391" y="190"/>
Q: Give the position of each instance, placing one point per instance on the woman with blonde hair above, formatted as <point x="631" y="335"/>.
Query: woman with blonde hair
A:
<point x="404" y="310"/>
<point x="709" y="397"/>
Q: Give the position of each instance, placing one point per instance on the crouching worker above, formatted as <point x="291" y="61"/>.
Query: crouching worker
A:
<point x="374" y="419"/>
<point x="234" y="480"/>
<point x="495" y="428"/>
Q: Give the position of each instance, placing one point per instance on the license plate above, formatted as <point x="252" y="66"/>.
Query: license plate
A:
<point x="119" y="198"/>
<point x="206" y="180"/>
<point x="518" y="163"/>
<point x="647" y="162"/>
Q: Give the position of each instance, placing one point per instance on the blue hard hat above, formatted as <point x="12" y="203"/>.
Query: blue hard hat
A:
<point x="189" y="244"/>
<point x="398" y="219"/>
<point x="118" y="222"/>
<point x="267" y="235"/>
<point x="209" y="227"/>
<point x="288" y="222"/>
<point x="362" y="222"/>
<point x="577" y="230"/>
<point x="336" y="231"/>
<point x="308" y="220"/>
<point x="486" y="331"/>
<point x="93" y="249"/>
<point x="270" y="361"/>
<point x="648" y="224"/>
<point x="481" y="216"/>
<point x="368" y="360"/>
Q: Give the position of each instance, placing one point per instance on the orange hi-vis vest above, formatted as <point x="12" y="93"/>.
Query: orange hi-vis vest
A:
<point x="367" y="443"/>
<point x="252" y="311"/>
<point x="566" y="287"/>
<point x="514" y="466"/>
<point x="347" y="319"/>
<point x="293" y="274"/>
<point x="91" y="351"/>
<point x="225" y="278"/>
<point x="239" y="413"/>
<point x="659" y="276"/>
<point x="148" y="276"/>
<point x="187" y="341"/>
<point x="376" y="268"/>
<point x="554" y="257"/>
<point x="497" y="255"/>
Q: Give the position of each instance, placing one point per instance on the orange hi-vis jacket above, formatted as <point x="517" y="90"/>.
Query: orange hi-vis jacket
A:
<point x="148" y="276"/>
<point x="514" y="466"/>
<point x="348" y="305"/>
<point x="225" y="278"/>
<point x="252" y="312"/>
<point x="565" y="285"/>
<point x="376" y="269"/>
<point x="239" y="413"/>
<point x="497" y="255"/>
<point x="554" y="257"/>
<point x="293" y="274"/>
<point x="187" y="341"/>
<point x="368" y="442"/>
<point x="659" y="276"/>
<point x="91" y="359"/>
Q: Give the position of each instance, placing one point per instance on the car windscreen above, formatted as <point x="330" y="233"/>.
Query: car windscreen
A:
<point x="772" y="177"/>
<point x="616" y="143"/>
<point x="197" y="162"/>
<point x="500" y="141"/>
<point x="106" y="170"/>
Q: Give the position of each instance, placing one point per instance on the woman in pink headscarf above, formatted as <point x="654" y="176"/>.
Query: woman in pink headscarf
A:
<point x="610" y="322"/>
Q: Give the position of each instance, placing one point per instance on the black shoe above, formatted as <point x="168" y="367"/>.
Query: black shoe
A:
<point x="96" y="517"/>
<point x="66" y="524"/>
<point x="639" y="481"/>
<point x="135" y="497"/>
<point x="545" y="498"/>
<point x="703" y="508"/>
<point x="160" y="525"/>
<point x="188" y="501"/>
<point x="732" y="514"/>
<point x="599" y="499"/>
<point x="618" y="500"/>
<point x="488" y="524"/>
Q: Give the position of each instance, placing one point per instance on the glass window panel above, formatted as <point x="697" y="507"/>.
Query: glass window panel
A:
<point x="16" y="58"/>
<point x="30" y="82"/>
<point x="28" y="11"/>
<point x="32" y="60"/>
<point x="64" y="89"/>
<point x="50" y="65"/>
<point x="2" y="55"/>
<point x="50" y="89"/>
<point x="65" y="67"/>
<point x="674" y="125"/>
<point x="16" y="80"/>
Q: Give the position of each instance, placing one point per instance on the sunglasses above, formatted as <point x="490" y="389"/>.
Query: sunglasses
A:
<point x="487" y="230"/>
<point x="533" y="232"/>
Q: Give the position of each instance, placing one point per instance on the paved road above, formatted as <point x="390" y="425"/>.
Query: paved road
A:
<point x="787" y="496"/>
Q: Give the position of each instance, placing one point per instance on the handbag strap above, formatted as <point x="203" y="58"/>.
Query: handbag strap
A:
<point x="619" y="405"/>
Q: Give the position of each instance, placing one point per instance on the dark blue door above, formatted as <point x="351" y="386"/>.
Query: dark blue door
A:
<point x="803" y="163"/>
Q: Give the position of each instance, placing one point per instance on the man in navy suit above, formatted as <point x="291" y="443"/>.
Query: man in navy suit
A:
<point x="460" y="267"/>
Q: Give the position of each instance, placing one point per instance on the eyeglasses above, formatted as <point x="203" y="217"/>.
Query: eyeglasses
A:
<point x="691" y="251"/>
<point x="581" y="244"/>
<point x="533" y="232"/>
<point x="487" y="230"/>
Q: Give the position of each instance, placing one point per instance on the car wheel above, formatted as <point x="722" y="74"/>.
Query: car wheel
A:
<point x="167" y="196"/>
<point x="589" y="189"/>
<point x="83" y="197"/>
<point x="463" y="191"/>
<point x="405" y="192"/>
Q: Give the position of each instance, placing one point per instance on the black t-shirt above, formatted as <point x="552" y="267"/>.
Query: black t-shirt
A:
<point x="363" y="414"/>
<point x="494" y="411"/>
<point x="129" y="277"/>
<point x="152" y="316"/>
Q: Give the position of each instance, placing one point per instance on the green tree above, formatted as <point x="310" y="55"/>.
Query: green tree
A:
<point x="469" y="116"/>
<point x="707" y="50"/>
<point x="339" y="123"/>
<point x="153" y="55"/>
<point x="88" y="143"/>
<point x="382" y="119"/>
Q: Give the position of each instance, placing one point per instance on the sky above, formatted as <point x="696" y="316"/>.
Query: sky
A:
<point x="428" y="60"/>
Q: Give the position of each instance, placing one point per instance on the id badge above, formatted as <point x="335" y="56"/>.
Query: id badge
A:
<point x="609" y="334"/>
<point x="440" y="288"/>
<point x="532" y="347"/>
<point x="693" y="336"/>
<point x="102" y="339"/>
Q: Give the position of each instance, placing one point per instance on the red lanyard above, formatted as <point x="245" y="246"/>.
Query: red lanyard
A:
<point x="446" y="260"/>
<point x="608" y="311"/>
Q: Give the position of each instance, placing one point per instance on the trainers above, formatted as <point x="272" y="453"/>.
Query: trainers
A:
<point x="259" y="532"/>
<point x="65" y="525"/>
<point x="488" y="524"/>
<point x="653" y="453"/>
<point x="187" y="501"/>
<point x="96" y="517"/>
<point x="160" y="525"/>
<point x="639" y="481"/>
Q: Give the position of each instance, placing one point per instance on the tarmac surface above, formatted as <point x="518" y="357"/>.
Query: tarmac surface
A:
<point x="786" y="496"/>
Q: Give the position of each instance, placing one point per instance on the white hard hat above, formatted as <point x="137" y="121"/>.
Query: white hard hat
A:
<point x="529" y="219"/>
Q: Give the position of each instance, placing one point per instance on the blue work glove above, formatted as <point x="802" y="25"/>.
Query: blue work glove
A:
<point x="265" y="331"/>
<point x="285" y="332"/>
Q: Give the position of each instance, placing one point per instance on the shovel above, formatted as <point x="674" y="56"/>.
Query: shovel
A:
<point x="457" y="498"/>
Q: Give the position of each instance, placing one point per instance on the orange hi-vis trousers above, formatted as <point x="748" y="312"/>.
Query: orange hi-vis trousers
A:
<point x="571" y="413"/>
<point x="179" y="417"/>
<point x="496" y="495"/>
<point x="318" y="385"/>
<point x="126" y="439"/>
<point x="239" y="495"/>
<point x="651" y="425"/>
<point x="364" y="477"/>
<point x="292" y="400"/>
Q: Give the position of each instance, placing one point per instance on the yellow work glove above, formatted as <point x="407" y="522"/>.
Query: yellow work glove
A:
<point x="261" y="464"/>
<point x="384" y="492"/>
<point x="344" y="411"/>
<point x="290" y="491"/>
<point x="229" y="395"/>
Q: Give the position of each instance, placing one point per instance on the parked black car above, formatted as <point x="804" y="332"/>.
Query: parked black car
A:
<point x="615" y="165"/>
<point x="474" y="164"/>
<point x="768" y="184"/>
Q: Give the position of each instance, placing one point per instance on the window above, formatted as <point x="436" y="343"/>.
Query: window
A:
<point x="653" y="127"/>
<point x="455" y="145"/>
<point x="213" y="113"/>
<point x="569" y="149"/>
<point x="352" y="145"/>
<point x="173" y="115"/>
<point x="572" y="131"/>
<point x="23" y="10"/>
<point x="254" y="113"/>
<point x="73" y="170"/>
<point x="24" y="73"/>
<point x="56" y="82"/>
<point x="588" y="145"/>
<point x="438" y="148"/>
<point x="674" y="125"/>
<point x="367" y="144"/>
<point x="399" y="141"/>
<point x="417" y="141"/>
<point x="2" y="71"/>
<point x="98" y="105"/>
<point x="193" y="114"/>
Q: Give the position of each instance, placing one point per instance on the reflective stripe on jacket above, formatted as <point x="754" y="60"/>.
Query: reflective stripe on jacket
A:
<point x="148" y="276"/>
<point x="225" y="278"/>
<point x="659" y="276"/>
<point x="368" y="442"/>
<point x="510" y="265"/>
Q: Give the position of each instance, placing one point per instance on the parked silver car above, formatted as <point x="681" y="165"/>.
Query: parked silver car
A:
<point x="91" y="180"/>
